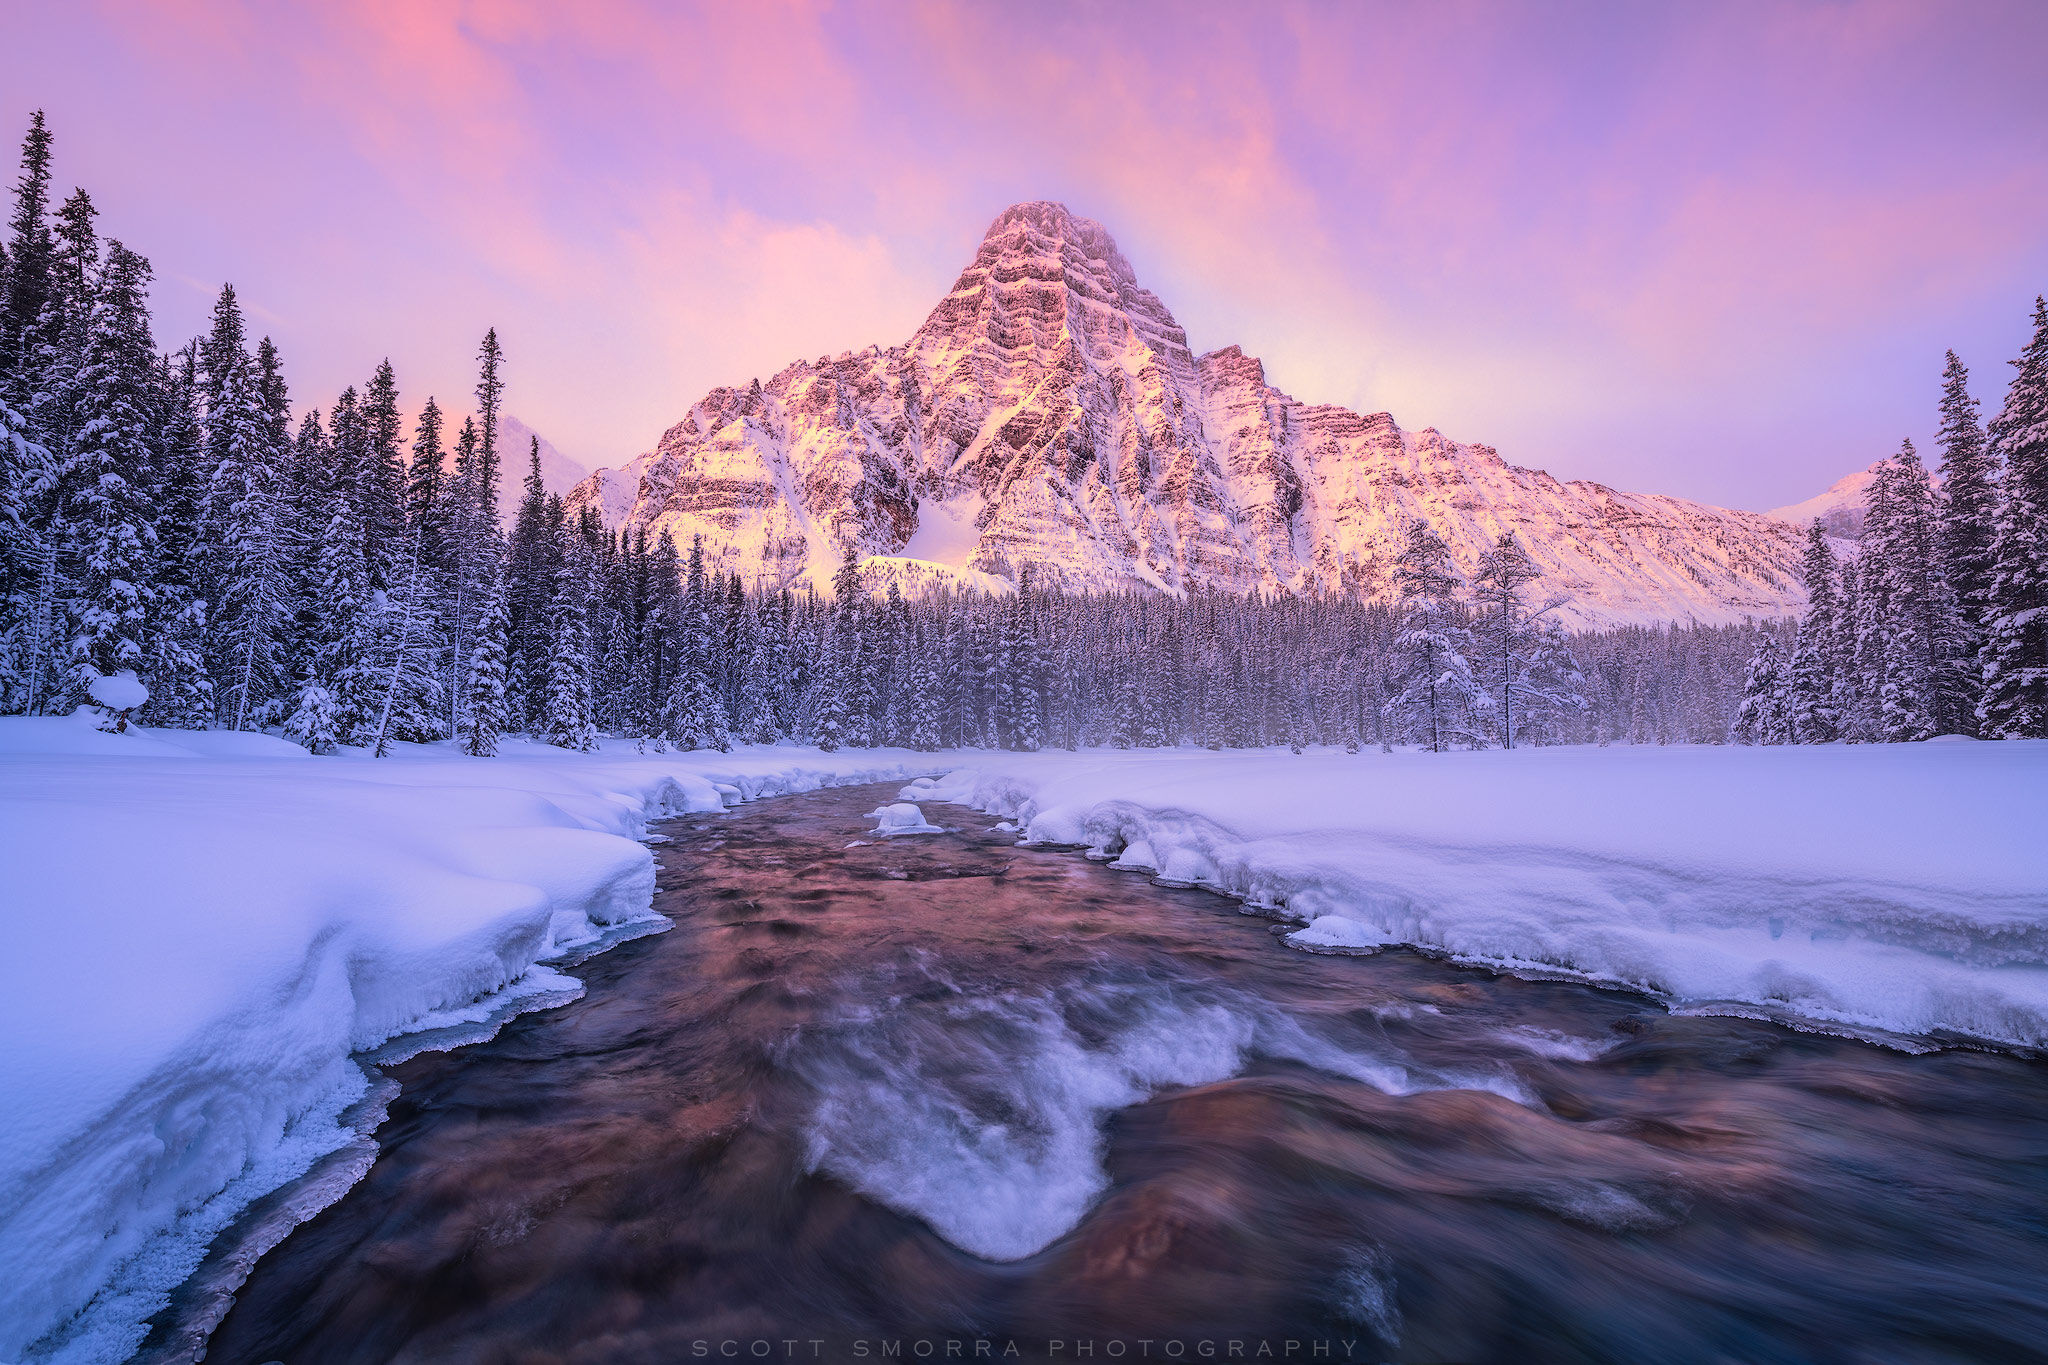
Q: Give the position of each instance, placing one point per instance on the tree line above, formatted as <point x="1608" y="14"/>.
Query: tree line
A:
<point x="1938" y="624"/>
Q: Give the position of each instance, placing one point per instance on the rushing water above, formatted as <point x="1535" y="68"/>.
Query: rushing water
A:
<point x="945" y="1097"/>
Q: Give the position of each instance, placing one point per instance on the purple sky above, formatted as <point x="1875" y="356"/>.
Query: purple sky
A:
<point x="1707" y="249"/>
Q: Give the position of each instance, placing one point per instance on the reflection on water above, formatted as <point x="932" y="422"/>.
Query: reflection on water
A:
<point x="951" y="1091"/>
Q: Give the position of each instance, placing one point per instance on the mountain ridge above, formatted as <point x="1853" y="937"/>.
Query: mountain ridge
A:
<point x="1050" y="412"/>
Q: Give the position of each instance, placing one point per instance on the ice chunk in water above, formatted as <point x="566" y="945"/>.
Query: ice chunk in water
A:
<point x="1337" y="934"/>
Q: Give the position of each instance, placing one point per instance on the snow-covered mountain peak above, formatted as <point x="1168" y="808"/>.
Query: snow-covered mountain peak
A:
<point x="1049" y="412"/>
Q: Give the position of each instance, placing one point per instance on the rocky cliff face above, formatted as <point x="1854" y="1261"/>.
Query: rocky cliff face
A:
<point x="1049" y="413"/>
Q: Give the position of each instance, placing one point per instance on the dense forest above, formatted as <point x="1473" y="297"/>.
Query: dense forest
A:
<point x="337" y="577"/>
<point x="1939" y="623"/>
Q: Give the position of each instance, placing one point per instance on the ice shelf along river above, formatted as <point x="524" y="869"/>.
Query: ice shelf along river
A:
<point x="939" y="1095"/>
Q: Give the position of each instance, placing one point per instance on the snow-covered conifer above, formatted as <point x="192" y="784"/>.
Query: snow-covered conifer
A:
<point x="1436" y="697"/>
<point x="1968" y="510"/>
<point x="242" y="518"/>
<point x="381" y="495"/>
<point x="28" y="266"/>
<point x="408" y="644"/>
<point x="490" y="391"/>
<point x="565" y="718"/>
<point x="314" y="722"/>
<point x="1811" y="682"/>
<point x="485" y="716"/>
<point x="2015" y="653"/>
<point x="107" y="517"/>
<point x="1763" y="716"/>
<point x="346" y="659"/>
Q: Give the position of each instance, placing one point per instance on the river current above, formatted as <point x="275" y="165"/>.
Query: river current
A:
<point x="941" y="1097"/>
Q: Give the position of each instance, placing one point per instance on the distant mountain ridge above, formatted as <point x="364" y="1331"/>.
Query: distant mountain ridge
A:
<point x="1840" y="510"/>
<point x="558" y="472"/>
<point x="1050" y="413"/>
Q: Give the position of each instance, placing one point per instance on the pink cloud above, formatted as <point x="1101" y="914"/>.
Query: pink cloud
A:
<point x="1572" y="231"/>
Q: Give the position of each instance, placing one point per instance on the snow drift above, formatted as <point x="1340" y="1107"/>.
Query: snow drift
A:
<point x="1896" y="888"/>
<point x="205" y="927"/>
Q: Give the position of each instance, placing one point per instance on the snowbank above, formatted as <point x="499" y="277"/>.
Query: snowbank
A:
<point x="1901" y="888"/>
<point x="203" y="927"/>
<point x="901" y="818"/>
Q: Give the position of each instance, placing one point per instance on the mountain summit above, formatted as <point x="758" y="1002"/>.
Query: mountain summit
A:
<point x="1049" y="414"/>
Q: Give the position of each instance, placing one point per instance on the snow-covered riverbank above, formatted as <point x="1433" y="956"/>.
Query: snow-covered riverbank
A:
<point x="1901" y="888"/>
<point x="203" y="928"/>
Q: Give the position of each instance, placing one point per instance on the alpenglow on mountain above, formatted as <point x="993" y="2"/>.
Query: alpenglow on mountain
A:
<point x="1049" y="413"/>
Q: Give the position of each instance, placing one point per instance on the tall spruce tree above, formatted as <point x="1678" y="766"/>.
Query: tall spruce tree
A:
<point x="346" y="660"/>
<point x="408" y="643"/>
<point x="490" y="391"/>
<point x="1917" y="629"/>
<point x="28" y="268"/>
<point x="1968" y="510"/>
<point x="565" y="718"/>
<point x="381" y="496"/>
<point x="107" y="518"/>
<point x="1765" y="714"/>
<point x="1436" y="697"/>
<point x="1811" y="683"/>
<point x="2015" y="653"/>
<point x="486" y="714"/>
<point x="181" y="690"/>
<point x="426" y="506"/>
<point x="28" y="548"/>
<point x="243" y="515"/>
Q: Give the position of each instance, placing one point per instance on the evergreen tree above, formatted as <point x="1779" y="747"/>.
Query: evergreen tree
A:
<point x="1811" y="683"/>
<point x="1871" y="658"/>
<point x="475" y="551"/>
<point x="2015" y="653"/>
<point x="1918" y="631"/>
<point x="533" y="569"/>
<point x="1764" y="715"/>
<point x="27" y="562"/>
<point x="1968" y="512"/>
<point x="107" y="518"/>
<point x="55" y="350"/>
<point x="407" y="646"/>
<point x="314" y="721"/>
<point x="828" y="719"/>
<point x="490" y="389"/>
<point x="1437" y="698"/>
<point x="565" y="710"/>
<point x="304" y="526"/>
<point x="181" y="691"/>
<point x="246" y="565"/>
<point x="28" y="267"/>
<point x="486" y="713"/>
<point x="346" y="660"/>
<point x="695" y="713"/>
<point x="381" y="498"/>
<point x="425" y="506"/>
<point x="924" y="710"/>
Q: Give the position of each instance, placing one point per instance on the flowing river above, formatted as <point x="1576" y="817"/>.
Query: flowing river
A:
<point x="940" y="1097"/>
